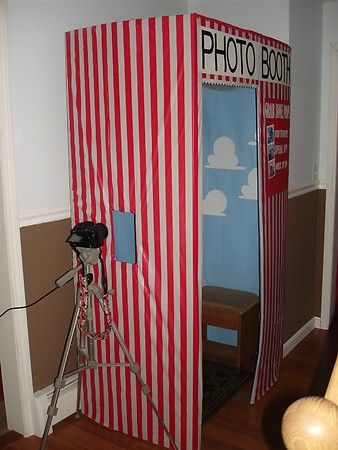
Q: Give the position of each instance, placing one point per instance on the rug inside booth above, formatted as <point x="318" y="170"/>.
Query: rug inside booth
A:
<point x="219" y="383"/>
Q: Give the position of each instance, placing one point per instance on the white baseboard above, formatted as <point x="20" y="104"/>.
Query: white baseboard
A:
<point x="300" y="335"/>
<point x="318" y="322"/>
<point x="66" y="405"/>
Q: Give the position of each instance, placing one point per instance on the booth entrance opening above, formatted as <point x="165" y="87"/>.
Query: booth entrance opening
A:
<point x="230" y="264"/>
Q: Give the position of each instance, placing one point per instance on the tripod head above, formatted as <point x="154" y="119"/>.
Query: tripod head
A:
<point x="87" y="256"/>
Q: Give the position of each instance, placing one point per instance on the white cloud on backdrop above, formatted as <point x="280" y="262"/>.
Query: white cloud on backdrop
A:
<point x="215" y="203"/>
<point x="249" y="191"/>
<point x="224" y="156"/>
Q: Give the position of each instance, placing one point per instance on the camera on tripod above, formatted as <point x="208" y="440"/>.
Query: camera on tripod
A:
<point x="87" y="235"/>
<point x="86" y="239"/>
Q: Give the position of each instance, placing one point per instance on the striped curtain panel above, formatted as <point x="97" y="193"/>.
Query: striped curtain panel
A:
<point x="274" y="198"/>
<point x="133" y="107"/>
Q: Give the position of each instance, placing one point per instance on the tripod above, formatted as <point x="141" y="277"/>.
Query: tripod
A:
<point x="86" y="357"/>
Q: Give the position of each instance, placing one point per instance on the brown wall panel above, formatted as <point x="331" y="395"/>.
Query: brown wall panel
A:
<point x="319" y="252"/>
<point x="46" y="256"/>
<point x="304" y="258"/>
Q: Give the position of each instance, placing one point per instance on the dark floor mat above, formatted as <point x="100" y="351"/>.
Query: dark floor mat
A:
<point x="219" y="382"/>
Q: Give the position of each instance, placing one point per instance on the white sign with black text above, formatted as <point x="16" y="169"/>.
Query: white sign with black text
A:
<point x="226" y="54"/>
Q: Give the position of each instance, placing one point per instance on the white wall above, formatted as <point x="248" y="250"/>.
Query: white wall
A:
<point x="270" y="17"/>
<point x="305" y="41"/>
<point x="330" y="36"/>
<point x="38" y="95"/>
<point x="328" y="156"/>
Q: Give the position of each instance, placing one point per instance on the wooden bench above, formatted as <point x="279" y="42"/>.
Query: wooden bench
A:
<point x="235" y="310"/>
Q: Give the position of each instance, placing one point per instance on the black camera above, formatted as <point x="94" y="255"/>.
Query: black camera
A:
<point x="88" y="235"/>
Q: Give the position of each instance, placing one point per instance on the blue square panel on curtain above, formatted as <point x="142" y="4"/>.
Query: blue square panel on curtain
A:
<point x="124" y="236"/>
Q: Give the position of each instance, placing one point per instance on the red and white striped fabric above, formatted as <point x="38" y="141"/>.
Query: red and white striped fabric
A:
<point x="134" y="113"/>
<point x="133" y="103"/>
<point x="273" y="221"/>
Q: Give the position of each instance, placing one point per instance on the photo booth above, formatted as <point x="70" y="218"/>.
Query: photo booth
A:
<point x="178" y="142"/>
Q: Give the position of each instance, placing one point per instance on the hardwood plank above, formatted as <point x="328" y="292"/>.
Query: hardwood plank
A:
<point x="238" y="425"/>
<point x="8" y="438"/>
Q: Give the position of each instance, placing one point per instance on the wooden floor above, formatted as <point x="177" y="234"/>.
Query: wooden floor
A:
<point x="236" y="426"/>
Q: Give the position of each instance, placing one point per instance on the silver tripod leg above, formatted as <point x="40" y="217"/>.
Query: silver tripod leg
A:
<point x="80" y="364"/>
<point x="60" y="380"/>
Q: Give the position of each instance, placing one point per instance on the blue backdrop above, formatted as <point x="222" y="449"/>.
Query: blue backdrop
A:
<point x="230" y="206"/>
